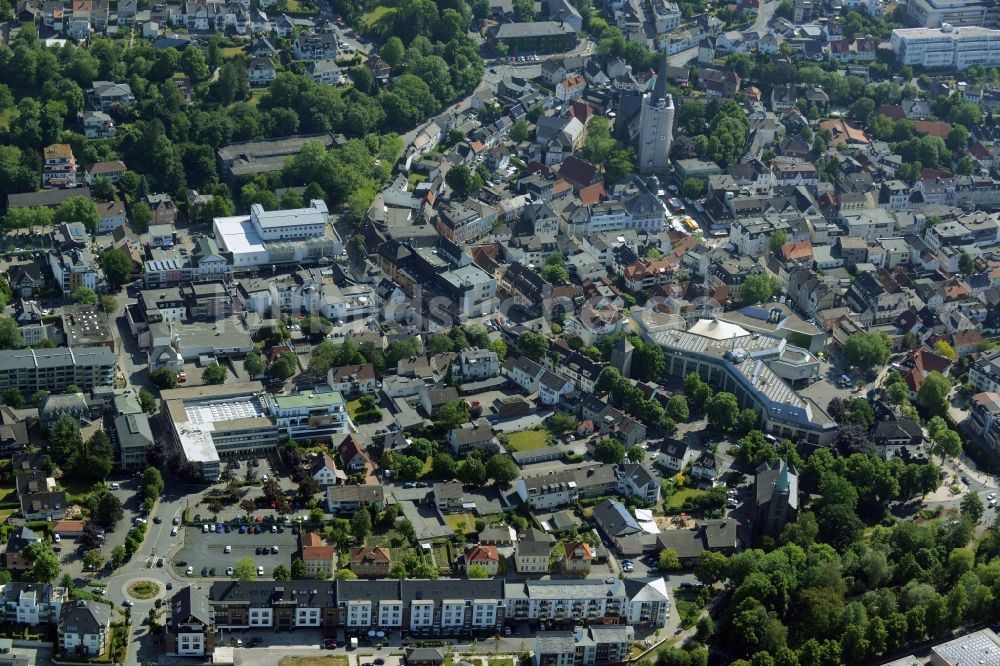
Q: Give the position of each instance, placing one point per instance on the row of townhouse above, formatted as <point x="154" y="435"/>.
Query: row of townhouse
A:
<point x="435" y="607"/>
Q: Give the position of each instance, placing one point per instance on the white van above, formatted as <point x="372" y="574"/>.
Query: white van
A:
<point x="114" y="486"/>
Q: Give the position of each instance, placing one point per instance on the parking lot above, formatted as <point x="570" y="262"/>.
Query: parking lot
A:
<point x="207" y="551"/>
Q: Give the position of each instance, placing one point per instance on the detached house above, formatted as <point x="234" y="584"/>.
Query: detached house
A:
<point x="84" y="629"/>
<point x="483" y="556"/>
<point x="190" y="629"/>
<point x="97" y="125"/>
<point x="58" y="166"/>
<point x="371" y="562"/>
<point x="105" y="94"/>
<point x="325" y="471"/>
<point x="261" y="71"/>
<point x="315" y="46"/>
<point x="317" y="556"/>
<point x="32" y="604"/>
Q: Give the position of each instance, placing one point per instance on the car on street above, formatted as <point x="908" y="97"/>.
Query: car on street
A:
<point x="204" y="571"/>
<point x="991" y="496"/>
<point x="173" y="531"/>
<point x="176" y="520"/>
<point x="159" y="562"/>
<point x="128" y="603"/>
<point x="170" y="585"/>
<point x="260" y="571"/>
<point x="190" y="571"/>
<point x="157" y="520"/>
<point x="227" y="550"/>
<point x="229" y="571"/>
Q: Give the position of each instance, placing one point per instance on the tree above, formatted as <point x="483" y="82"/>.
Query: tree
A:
<point x="92" y="559"/>
<point x="555" y="274"/>
<point x="758" y="288"/>
<point x="502" y="469"/>
<point x="694" y="188"/>
<point x="10" y="334"/>
<point x="147" y="401"/>
<point x="609" y="451"/>
<point x="117" y="266"/>
<point x="669" y="560"/>
<point x="463" y="181"/>
<point x="533" y="345"/>
<point x="471" y="471"/>
<point x="443" y="466"/>
<point x="84" y="296"/>
<point x="933" y="394"/>
<point x="393" y="51"/>
<point x="561" y="423"/>
<point x="151" y="483"/>
<point x="947" y="443"/>
<point x="44" y="562"/>
<point x="867" y="350"/>
<point x="163" y="378"/>
<point x="214" y="374"/>
<point x="346" y="574"/>
<point x="106" y="509"/>
<point x="677" y="408"/>
<point x="281" y="572"/>
<point x="361" y="524"/>
<point x="142" y="215"/>
<point x="109" y="304"/>
<point x="966" y="264"/>
<point x="723" y="411"/>
<point x="972" y="506"/>
<point x="696" y="390"/>
<point x="254" y="363"/>
<point x="477" y="571"/>
<point x="245" y="570"/>
<point x="77" y="209"/>
<point x="778" y="238"/>
<point x="452" y="415"/>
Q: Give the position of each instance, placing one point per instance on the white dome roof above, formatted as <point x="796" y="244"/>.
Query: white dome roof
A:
<point x="717" y="330"/>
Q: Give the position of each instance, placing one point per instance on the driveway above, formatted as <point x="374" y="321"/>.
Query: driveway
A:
<point x="427" y="523"/>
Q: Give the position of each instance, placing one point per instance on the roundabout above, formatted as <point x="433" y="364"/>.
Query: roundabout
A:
<point x="143" y="589"/>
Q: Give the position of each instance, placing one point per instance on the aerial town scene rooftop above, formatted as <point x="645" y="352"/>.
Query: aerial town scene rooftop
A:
<point x="499" y="332"/>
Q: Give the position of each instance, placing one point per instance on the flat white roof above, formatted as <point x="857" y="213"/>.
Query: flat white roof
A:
<point x="316" y="213"/>
<point x="238" y="235"/>
<point x="224" y="410"/>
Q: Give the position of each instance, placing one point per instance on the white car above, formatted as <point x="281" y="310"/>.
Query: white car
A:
<point x="260" y="571"/>
<point x="990" y="497"/>
<point x="229" y="571"/>
<point x="190" y="571"/>
<point x="173" y="531"/>
<point x="228" y="549"/>
<point x="56" y="538"/>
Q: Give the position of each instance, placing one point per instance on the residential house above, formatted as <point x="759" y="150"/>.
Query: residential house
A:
<point x="32" y="604"/>
<point x="482" y="556"/>
<point x="105" y="94"/>
<point x="353" y="457"/>
<point x="578" y="559"/>
<point x="473" y="436"/>
<point x="532" y="556"/>
<point x="348" y="499"/>
<point x="371" y="562"/>
<point x="84" y="629"/>
<point x="261" y="71"/>
<point x="635" y="480"/>
<point x="58" y="166"/>
<point x="315" y="46"/>
<point x="353" y="379"/>
<point x="325" y="471"/>
<point x="317" y="556"/>
<point x="190" y="629"/>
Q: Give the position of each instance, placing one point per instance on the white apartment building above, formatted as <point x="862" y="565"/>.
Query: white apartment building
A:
<point x="948" y="46"/>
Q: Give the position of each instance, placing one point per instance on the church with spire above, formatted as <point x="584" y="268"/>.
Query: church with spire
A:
<point x="776" y="497"/>
<point x="656" y="124"/>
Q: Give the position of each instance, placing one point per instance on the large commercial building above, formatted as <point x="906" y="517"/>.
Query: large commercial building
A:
<point x="268" y="238"/>
<point x="443" y="607"/>
<point x="753" y="367"/>
<point x="947" y="47"/>
<point x="656" y="124"/>
<point x="310" y="415"/>
<point x="30" y="370"/>
<point x="220" y="421"/>
<point x="537" y="37"/>
<point x="935" y="13"/>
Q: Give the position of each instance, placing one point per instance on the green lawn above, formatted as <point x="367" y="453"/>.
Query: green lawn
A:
<point x="230" y="51"/>
<point x="527" y="440"/>
<point x="676" y="501"/>
<point x="7" y="495"/>
<point x="5" y="515"/>
<point x="370" y="18"/>
<point x="353" y="407"/>
<point x="461" y="523"/>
